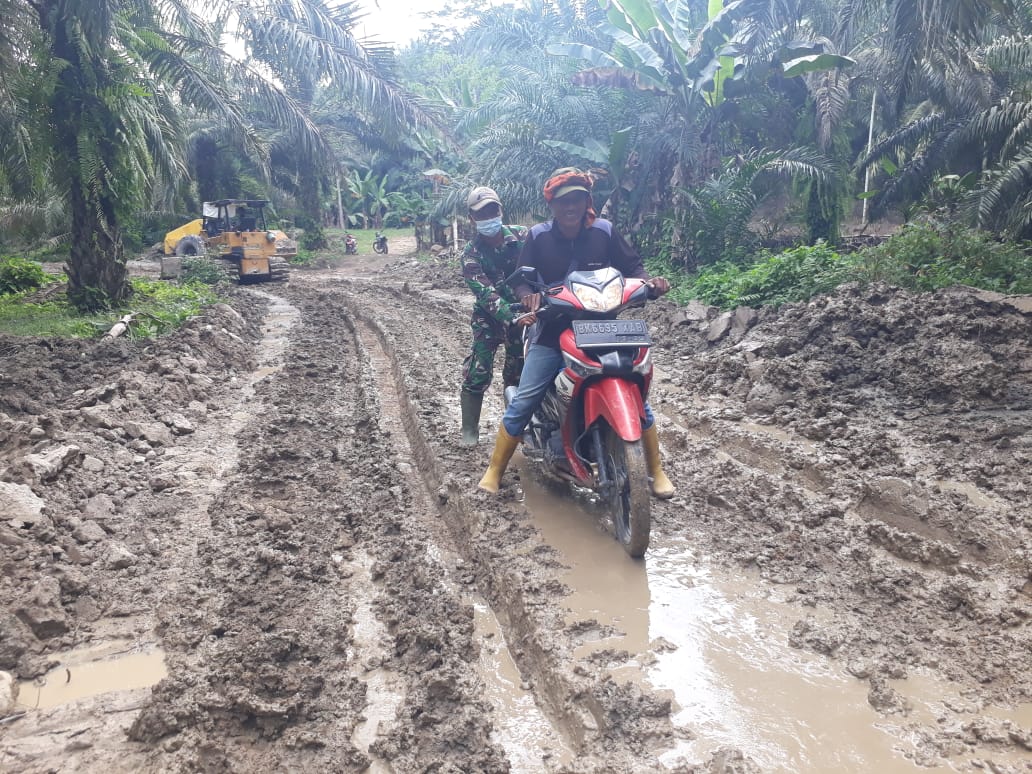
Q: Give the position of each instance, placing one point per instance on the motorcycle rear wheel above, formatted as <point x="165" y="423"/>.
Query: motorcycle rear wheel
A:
<point x="629" y="505"/>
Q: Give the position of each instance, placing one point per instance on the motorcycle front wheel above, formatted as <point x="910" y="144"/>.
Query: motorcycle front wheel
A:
<point x="629" y="504"/>
<point x="380" y="248"/>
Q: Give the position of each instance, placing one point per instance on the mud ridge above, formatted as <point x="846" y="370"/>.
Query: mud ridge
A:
<point x="463" y="521"/>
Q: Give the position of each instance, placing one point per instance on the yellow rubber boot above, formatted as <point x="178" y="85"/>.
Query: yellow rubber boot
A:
<point x="661" y="486"/>
<point x="505" y="445"/>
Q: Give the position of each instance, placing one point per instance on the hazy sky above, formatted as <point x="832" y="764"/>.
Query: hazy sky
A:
<point x="396" y="21"/>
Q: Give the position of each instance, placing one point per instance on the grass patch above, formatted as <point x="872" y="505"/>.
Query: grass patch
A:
<point x="364" y="237"/>
<point x="160" y="306"/>
<point x="309" y="257"/>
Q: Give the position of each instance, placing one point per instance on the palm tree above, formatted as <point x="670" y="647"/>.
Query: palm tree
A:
<point x="517" y="113"/>
<point x="713" y="221"/>
<point x="973" y="123"/>
<point x="917" y="30"/>
<point x="111" y="127"/>
<point x="112" y="76"/>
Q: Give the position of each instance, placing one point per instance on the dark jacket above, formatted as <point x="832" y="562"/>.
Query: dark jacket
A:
<point x="554" y="256"/>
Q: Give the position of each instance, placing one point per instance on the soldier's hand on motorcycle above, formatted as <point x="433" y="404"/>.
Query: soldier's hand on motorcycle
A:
<point x="660" y="286"/>
<point x="531" y="302"/>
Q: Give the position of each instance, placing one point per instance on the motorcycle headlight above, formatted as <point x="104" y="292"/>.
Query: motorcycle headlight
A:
<point x="596" y="301"/>
<point x="270" y="236"/>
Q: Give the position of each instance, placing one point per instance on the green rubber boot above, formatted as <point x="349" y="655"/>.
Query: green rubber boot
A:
<point x="471" y="405"/>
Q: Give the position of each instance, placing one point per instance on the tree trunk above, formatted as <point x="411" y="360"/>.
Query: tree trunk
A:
<point x="340" y="206"/>
<point x="97" y="275"/>
<point x="870" y="145"/>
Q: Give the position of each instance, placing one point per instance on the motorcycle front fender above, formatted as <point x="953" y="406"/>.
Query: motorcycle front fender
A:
<point x="619" y="402"/>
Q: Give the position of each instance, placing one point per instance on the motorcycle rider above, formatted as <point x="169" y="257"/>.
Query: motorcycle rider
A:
<point x="486" y="261"/>
<point x="575" y="239"/>
<point x="350" y="243"/>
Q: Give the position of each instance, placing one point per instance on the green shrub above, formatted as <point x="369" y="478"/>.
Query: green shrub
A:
<point x="165" y="306"/>
<point x="50" y="253"/>
<point x="151" y="227"/>
<point x="304" y="258"/>
<point x="925" y="257"/>
<point x="312" y="236"/>
<point x="203" y="269"/>
<point x="19" y="274"/>
<point x="772" y="279"/>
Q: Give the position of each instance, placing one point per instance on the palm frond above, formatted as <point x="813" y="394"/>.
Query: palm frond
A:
<point x="1004" y="186"/>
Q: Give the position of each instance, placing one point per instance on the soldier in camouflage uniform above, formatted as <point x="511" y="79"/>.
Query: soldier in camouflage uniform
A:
<point x="486" y="262"/>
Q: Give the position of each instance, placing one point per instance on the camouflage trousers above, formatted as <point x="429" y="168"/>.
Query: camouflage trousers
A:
<point x="488" y="335"/>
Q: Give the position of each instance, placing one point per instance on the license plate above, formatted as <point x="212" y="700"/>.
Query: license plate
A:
<point x="592" y="334"/>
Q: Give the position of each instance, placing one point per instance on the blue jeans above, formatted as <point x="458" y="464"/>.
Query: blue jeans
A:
<point x="540" y="368"/>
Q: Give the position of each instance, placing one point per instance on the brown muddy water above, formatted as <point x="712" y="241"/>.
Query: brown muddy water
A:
<point x="521" y="727"/>
<point x="91" y="672"/>
<point x="718" y="643"/>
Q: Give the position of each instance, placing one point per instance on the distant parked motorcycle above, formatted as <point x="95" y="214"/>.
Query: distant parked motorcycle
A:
<point x="350" y="245"/>
<point x="380" y="243"/>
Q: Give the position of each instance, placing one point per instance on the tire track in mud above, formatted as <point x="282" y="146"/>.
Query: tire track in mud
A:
<point x="610" y="726"/>
<point x="243" y="668"/>
<point x="265" y="669"/>
<point x="528" y="739"/>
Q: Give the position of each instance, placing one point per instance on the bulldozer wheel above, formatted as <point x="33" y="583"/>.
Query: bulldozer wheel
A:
<point x="279" y="270"/>
<point x="189" y="245"/>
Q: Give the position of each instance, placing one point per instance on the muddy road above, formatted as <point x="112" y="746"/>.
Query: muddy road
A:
<point x="256" y="545"/>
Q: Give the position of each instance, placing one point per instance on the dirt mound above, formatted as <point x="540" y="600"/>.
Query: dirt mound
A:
<point x="440" y="272"/>
<point x="897" y="428"/>
<point x="81" y="425"/>
<point x="876" y="349"/>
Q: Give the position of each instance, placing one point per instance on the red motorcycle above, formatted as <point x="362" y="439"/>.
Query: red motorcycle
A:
<point x="587" y="430"/>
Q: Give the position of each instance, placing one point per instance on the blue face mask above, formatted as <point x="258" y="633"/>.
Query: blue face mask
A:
<point x="489" y="227"/>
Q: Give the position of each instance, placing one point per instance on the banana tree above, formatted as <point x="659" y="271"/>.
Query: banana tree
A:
<point x="615" y="158"/>
<point x="371" y="195"/>
<point x="660" y="47"/>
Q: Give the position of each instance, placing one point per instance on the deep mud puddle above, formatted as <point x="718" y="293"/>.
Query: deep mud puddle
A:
<point x="90" y="672"/>
<point x="719" y="644"/>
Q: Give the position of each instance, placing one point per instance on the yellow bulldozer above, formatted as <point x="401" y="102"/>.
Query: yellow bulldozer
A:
<point x="235" y="232"/>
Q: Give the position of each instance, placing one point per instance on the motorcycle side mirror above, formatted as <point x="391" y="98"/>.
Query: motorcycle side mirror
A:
<point x="525" y="274"/>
